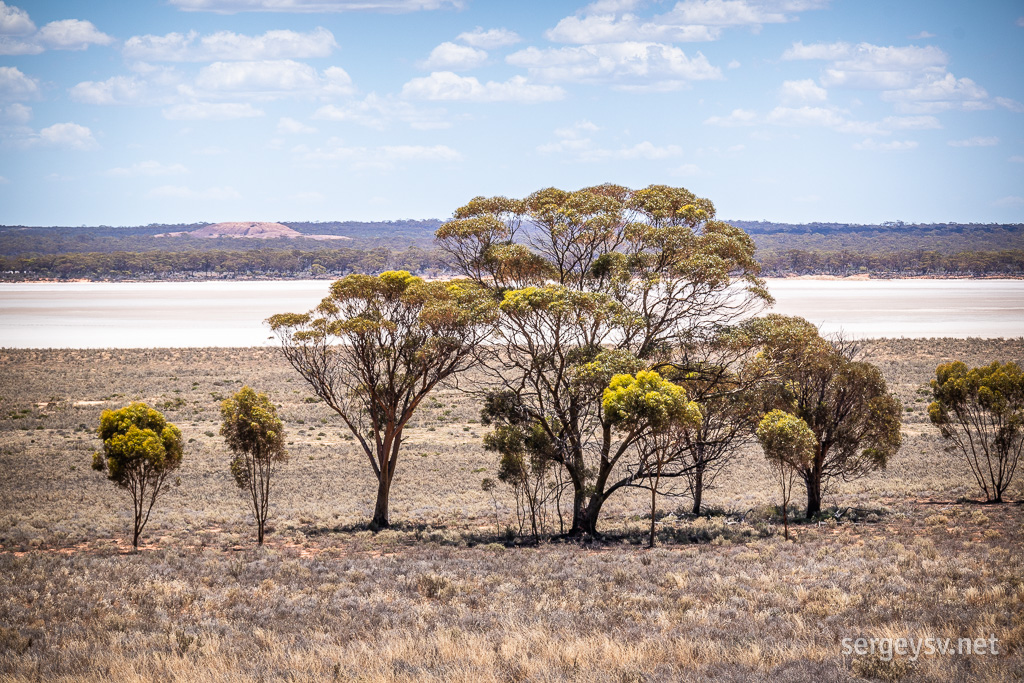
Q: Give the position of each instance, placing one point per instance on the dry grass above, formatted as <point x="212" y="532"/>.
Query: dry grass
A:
<point x="441" y="597"/>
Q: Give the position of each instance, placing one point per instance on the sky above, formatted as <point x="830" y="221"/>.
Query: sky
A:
<point x="180" y="111"/>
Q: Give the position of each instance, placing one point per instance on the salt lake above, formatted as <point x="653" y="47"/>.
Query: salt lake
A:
<point x="231" y="313"/>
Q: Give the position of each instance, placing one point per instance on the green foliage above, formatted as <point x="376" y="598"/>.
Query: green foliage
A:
<point x="253" y="432"/>
<point x="591" y="284"/>
<point x="138" y="442"/>
<point x="377" y="346"/>
<point x="844" y="402"/>
<point x="140" y="450"/>
<point x="646" y="399"/>
<point x="786" y="440"/>
<point x="981" y="412"/>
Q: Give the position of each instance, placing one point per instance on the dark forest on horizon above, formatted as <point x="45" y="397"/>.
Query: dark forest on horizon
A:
<point x="890" y="249"/>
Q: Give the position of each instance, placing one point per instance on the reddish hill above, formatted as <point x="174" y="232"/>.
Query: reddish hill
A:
<point x="254" y="230"/>
<point x="251" y="230"/>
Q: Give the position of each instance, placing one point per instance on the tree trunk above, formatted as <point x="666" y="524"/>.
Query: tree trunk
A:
<point x="698" y="488"/>
<point x="813" y="496"/>
<point x="588" y="523"/>
<point x="380" y="510"/>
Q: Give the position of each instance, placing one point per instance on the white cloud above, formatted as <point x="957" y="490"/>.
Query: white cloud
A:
<point x="230" y="46"/>
<point x="688" y="171"/>
<point x="805" y="116"/>
<point x="18" y="34"/>
<point x="489" y="39"/>
<point x="269" y="79"/>
<point x="71" y="34"/>
<point x="1012" y="105"/>
<point x="382" y="158"/>
<point x="152" y="87"/>
<point x="738" y="117"/>
<point x="1020" y="21"/>
<point x="1012" y="200"/>
<point x="14" y="21"/>
<point x="313" y="6"/>
<point x="16" y="113"/>
<point x="15" y="85"/>
<point x="802" y="91"/>
<point x="976" y="141"/>
<point x="379" y="112"/>
<point x="913" y="78"/>
<point x="289" y="126"/>
<point x="445" y="85"/>
<point x="452" y="57"/>
<point x="211" y="111"/>
<point x="575" y="144"/>
<point x="661" y="67"/>
<point x="691" y="20"/>
<point x="923" y="35"/>
<point x="939" y="94"/>
<point x="734" y="64"/>
<point x="67" y="135"/>
<point x="894" y="146"/>
<point x="147" y="168"/>
<point x="608" y="28"/>
<point x="181" y="192"/>
<point x="911" y="123"/>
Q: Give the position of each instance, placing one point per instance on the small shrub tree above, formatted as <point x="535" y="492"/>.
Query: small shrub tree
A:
<point x="140" y="450"/>
<point x="789" y="445"/>
<point x="980" y="411"/>
<point x="845" y="402"/>
<point x="255" y="435"/>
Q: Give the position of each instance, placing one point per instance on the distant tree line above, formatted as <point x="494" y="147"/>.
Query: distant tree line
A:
<point x="273" y="262"/>
<point x="891" y="263"/>
<point x="887" y="250"/>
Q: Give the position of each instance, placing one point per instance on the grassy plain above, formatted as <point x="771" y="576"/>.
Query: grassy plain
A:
<point x="443" y="596"/>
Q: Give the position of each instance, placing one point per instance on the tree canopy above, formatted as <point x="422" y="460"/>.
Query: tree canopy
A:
<point x="980" y="411"/>
<point x="591" y="284"/>
<point x="376" y="346"/>
<point x="140" y="450"/>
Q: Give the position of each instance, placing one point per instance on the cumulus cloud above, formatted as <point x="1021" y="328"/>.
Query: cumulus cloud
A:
<point x="71" y="34"/>
<point x="691" y="20"/>
<point x="289" y="126"/>
<point x="14" y="85"/>
<point x="1012" y="105"/>
<point x="18" y="34"/>
<point x="939" y="94"/>
<point x="576" y="144"/>
<point x="152" y="87"/>
<point x="489" y="39"/>
<point x="894" y="146"/>
<point x="313" y="6"/>
<point x="923" y="35"/>
<point x="212" y="111"/>
<point x="269" y="79"/>
<point x="182" y="192"/>
<point x="914" y="78"/>
<point x="16" y="113"/>
<point x="381" y="158"/>
<point x="14" y="21"/>
<point x="446" y="85"/>
<point x="451" y="57"/>
<point x="976" y="141"/>
<point x="802" y="91"/>
<point x="230" y="46"/>
<point x="378" y="112"/>
<point x="736" y="118"/>
<point x="661" y="67"/>
<point x="147" y="168"/>
<point x="67" y="136"/>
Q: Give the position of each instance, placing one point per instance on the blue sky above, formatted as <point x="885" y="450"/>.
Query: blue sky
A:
<point x="125" y="113"/>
